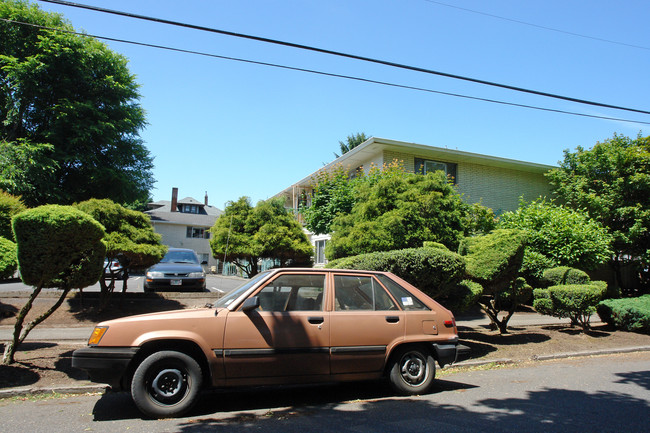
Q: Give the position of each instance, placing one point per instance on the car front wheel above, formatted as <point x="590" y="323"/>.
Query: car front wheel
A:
<point x="412" y="371"/>
<point x="166" y="384"/>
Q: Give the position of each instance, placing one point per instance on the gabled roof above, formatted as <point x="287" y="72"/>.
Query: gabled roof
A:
<point x="160" y="212"/>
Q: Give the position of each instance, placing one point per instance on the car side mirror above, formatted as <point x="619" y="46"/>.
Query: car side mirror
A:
<point x="250" y="304"/>
<point x="204" y="262"/>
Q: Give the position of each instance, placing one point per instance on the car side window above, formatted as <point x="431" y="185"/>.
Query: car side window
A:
<point x="360" y="293"/>
<point x="293" y="292"/>
<point x="405" y="299"/>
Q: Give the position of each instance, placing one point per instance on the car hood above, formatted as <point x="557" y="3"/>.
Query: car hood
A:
<point x="176" y="268"/>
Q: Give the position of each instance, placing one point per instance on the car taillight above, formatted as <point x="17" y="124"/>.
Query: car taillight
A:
<point x="451" y="323"/>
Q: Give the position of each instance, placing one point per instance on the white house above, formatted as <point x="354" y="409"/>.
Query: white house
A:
<point x="185" y="224"/>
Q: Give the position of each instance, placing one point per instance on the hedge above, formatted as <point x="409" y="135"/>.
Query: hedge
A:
<point x="629" y="314"/>
<point x="565" y="275"/>
<point x="435" y="271"/>
<point x="574" y="301"/>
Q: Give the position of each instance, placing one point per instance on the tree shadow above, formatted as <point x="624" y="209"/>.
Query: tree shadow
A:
<point x="21" y="373"/>
<point x="86" y="306"/>
<point x="641" y="378"/>
<point x="119" y="406"/>
<point x="64" y="364"/>
<point x="599" y="331"/>
<point x="7" y="311"/>
<point x="546" y="410"/>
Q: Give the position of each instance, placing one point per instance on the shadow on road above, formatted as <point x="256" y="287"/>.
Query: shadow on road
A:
<point x="119" y="406"/>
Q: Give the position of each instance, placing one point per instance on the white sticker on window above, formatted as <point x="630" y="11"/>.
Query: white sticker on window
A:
<point x="407" y="301"/>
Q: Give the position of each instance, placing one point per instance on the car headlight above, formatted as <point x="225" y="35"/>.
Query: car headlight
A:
<point x="196" y="275"/>
<point x="155" y="275"/>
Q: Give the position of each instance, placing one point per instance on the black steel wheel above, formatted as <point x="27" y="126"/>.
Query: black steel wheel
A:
<point x="412" y="371"/>
<point x="166" y="384"/>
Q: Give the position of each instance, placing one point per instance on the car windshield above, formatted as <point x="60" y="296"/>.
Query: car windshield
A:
<point x="236" y="293"/>
<point x="179" y="257"/>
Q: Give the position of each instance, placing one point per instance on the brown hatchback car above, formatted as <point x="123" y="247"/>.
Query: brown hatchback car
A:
<point x="282" y="326"/>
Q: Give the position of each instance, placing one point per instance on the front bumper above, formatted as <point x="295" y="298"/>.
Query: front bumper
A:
<point x="104" y="364"/>
<point x="197" y="284"/>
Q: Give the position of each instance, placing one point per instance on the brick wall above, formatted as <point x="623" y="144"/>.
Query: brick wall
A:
<point x="494" y="187"/>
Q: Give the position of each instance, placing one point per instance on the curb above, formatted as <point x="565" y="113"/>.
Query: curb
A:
<point x="69" y="389"/>
<point x="87" y="389"/>
<point x="504" y="361"/>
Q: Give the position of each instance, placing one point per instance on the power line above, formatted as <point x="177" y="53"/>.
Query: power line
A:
<point x="345" y="55"/>
<point x="595" y="38"/>
<point x="328" y="74"/>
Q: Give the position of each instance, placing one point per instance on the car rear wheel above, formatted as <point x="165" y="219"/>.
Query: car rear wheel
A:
<point x="166" y="384"/>
<point x="412" y="371"/>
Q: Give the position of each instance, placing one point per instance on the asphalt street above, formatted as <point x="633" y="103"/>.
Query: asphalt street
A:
<point x="604" y="394"/>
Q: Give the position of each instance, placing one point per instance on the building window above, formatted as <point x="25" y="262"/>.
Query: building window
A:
<point x="198" y="233"/>
<point x="424" y="166"/>
<point x="204" y="258"/>
<point x="320" y="252"/>
<point x="190" y="208"/>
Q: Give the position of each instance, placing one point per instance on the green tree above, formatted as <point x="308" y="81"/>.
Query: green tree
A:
<point x="567" y="236"/>
<point x="396" y="210"/>
<point x="333" y="195"/>
<point x="130" y="238"/>
<point x="351" y="142"/>
<point x="71" y="103"/>
<point x="611" y="182"/>
<point x="10" y="205"/>
<point x="60" y="247"/>
<point x="493" y="261"/>
<point x="244" y="235"/>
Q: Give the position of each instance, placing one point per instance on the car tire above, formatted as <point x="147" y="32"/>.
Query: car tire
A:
<point x="166" y="384"/>
<point x="412" y="371"/>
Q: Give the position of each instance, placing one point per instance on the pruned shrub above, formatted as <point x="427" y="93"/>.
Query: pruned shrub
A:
<point x="493" y="261"/>
<point x="533" y="267"/>
<point x="629" y="314"/>
<point x="574" y="301"/>
<point x="8" y="260"/>
<point x="463" y="296"/>
<point x="435" y="271"/>
<point x="565" y="275"/>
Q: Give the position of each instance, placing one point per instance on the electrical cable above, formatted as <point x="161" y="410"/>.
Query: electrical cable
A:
<point x="345" y="55"/>
<point x="328" y="74"/>
<point x="609" y="41"/>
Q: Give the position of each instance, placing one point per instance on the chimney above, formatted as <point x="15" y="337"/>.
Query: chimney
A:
<point x="174" y="205"/>
<point x="206" y="198"/>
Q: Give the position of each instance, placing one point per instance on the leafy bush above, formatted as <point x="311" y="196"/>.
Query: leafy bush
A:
<point x="629" y="314"/>
<point x="565" y="275"/>
<point x="574" y="301"/>
<point x="8" y="261"/>
<point x="533" y="267"/>
<point x="434" y="271"/>
<point x="10" y="205"/>
<point x="569" y="237"/>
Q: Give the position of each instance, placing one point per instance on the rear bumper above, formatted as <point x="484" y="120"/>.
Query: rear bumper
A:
<point x="104" y="364"/>
<point x="450" y="353"/>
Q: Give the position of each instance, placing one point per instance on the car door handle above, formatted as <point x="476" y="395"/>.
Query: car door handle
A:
<point x="314" y="320"/>
<point x="392" y="319"/>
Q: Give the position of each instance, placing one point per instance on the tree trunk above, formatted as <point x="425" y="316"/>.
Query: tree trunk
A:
<point x="10" y="349"/>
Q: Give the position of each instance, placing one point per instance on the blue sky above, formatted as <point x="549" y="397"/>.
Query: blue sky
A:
<point x="235" y="129"/>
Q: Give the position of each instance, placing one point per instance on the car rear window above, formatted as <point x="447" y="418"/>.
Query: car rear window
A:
<point x="405" y="298"/>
